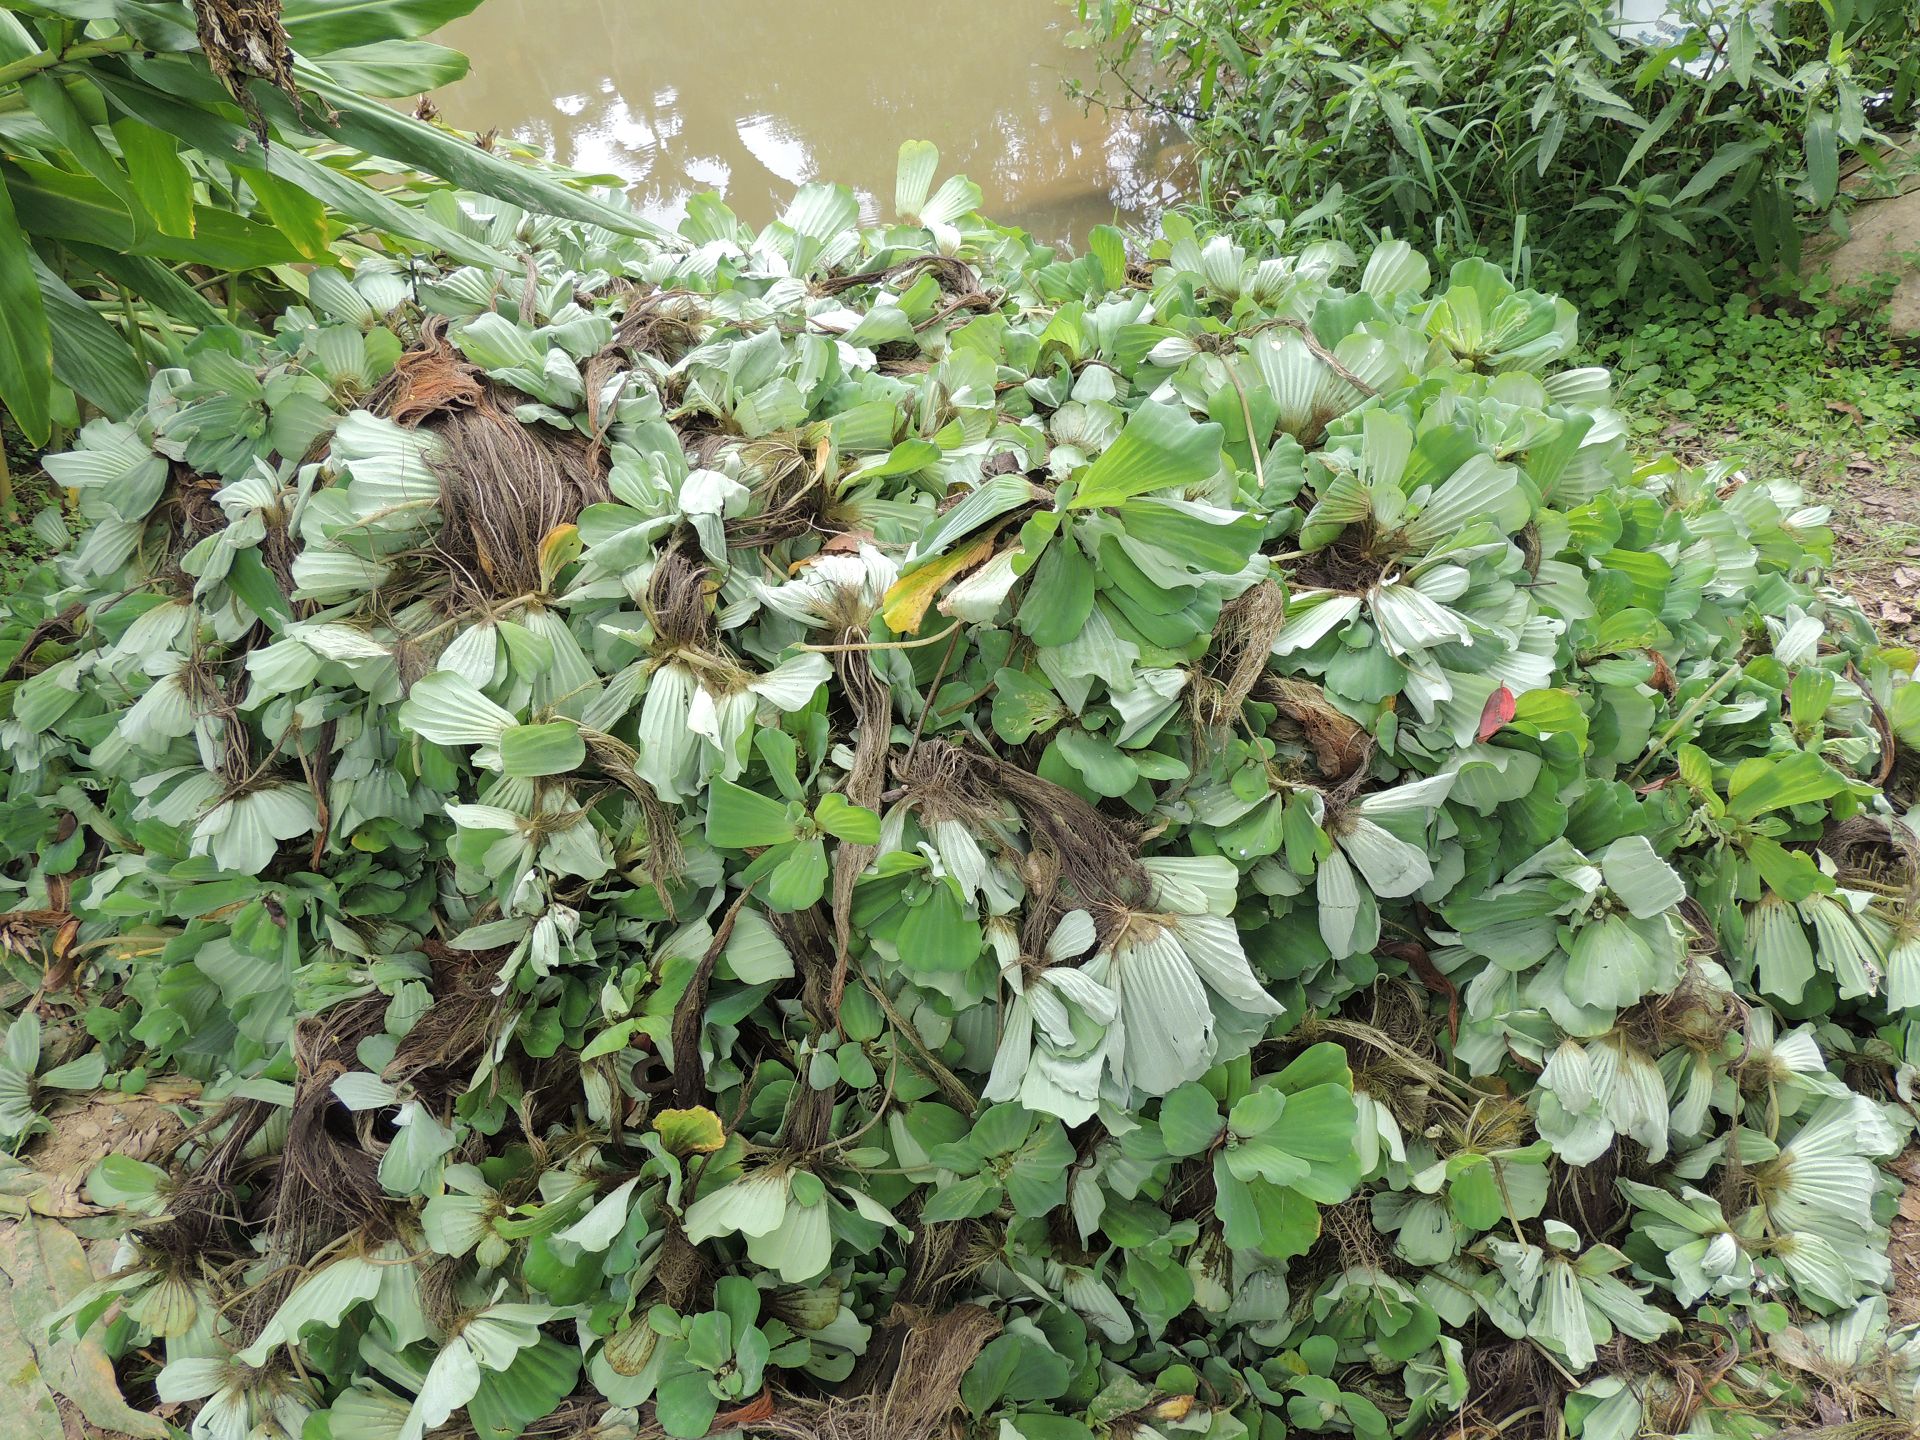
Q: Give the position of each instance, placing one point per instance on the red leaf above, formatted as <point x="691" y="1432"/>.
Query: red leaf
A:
<point x="1499" y="710"/>
<point x="755" y="1410"/>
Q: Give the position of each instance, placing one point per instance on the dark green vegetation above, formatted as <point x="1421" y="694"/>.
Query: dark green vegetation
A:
<point x="1796" y="379"/>
<point x="166" y="168"/>
<point x="1498" y="124"/>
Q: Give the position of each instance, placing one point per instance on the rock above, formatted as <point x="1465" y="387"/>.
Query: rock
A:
<point x="1885" y="240"/>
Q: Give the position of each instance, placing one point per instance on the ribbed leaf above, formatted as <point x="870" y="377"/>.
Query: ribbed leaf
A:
<point x="322" y="1298"/>
<point x="550" y="749"/>
<point x="739" y="819"/>
<point x="1162" y="448"/>
<point x="507" y="1401"/>
<point x="90" y="357"/>
<point x="448" y="710"/>
<point x="319" y="27"/>
<point x="26" y="345"/>
<point x="913" y="181"/>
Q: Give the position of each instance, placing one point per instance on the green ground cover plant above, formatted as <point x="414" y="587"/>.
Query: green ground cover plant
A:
<point x="870" y="830"/>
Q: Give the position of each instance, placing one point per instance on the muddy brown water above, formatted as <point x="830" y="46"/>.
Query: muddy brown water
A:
<point x="755" y="97"/>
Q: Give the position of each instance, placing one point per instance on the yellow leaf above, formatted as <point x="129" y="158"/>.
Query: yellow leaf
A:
<point x="690" y="1132"/>
<point x="906" y="603"/>
<point x="559" y="549"/>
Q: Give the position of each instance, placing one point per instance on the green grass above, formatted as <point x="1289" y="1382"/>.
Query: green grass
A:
<point x="1785" y="380"/>
<point x="20" y="548"/>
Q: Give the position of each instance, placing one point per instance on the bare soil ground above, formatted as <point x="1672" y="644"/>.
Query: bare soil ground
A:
<point x="1903" y="1305"/>
<point x="1876" y="524"/>
<point x="1875" y="500"/>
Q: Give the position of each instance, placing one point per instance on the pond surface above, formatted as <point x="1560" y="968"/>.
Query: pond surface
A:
<point x="755" y="97"/>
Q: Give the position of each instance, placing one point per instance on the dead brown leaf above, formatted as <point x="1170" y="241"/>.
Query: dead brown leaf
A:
<point x="45" y="1266"/>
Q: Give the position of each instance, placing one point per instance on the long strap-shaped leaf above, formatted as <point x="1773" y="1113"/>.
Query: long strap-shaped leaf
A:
<point x="152" y="280"/>
<point x="216" y="135"/>
<point x="367" y="125"/>
<point x="89" y="355"/>
<point x="26" y="348"/>
<point x="62" y="205"/>
<point x="316" y="27"/>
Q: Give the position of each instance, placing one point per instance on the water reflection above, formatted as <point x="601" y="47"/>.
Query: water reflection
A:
<point x="754" y="97"/>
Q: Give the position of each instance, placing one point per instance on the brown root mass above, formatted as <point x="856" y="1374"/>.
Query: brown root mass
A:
<point x="328" y="1184"/>
<point x="665" y="324"/>
<point x="1236" y="661"/>
<point x="689" y="1074"/>
<point x="920" y="1400"/>
<point x="188" y="513"/>
<point x="1079" y="858"/>
<point x="244" y="38"/>
<point x="1676" y="1379"/>
<point x="665" y="859"/>
<point x="808" y="1125"/>
<point x="574" y="1419"/>
<point x="790" y="493"/>
<point x="190" y="506"/>
<point x="1903" y="1304"/>
<point x="955" y="276"/>
<point x="1348" y="1240"/>
<point x="429" y="382"/>
<point x="1870" y="849"/>
<point x="504" y="486"/>
<point x="57" y="629"/>
<point x="660" y="324"/>
<point x="1340" y="744"/>
<point x="1393" y="1053"/>
<point x="208" y="1220"/>
<point x="1695" y="1014"/>
<point x="871" y="701"/>
<point x="1588" y="1197"/>
<point x="437" y="1056"/>
<point x="677" y="605"/>
<point x="1513" y="1392"/>
<point x="1348" y="564"/>
<point x="682" y="1272"/>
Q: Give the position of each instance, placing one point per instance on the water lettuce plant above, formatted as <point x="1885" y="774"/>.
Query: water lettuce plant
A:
<point x="866" y="829"/>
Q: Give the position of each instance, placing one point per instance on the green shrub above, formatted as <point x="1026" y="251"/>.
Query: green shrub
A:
<point x="166" y="168"/>
<point x="1491" y="123"/>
